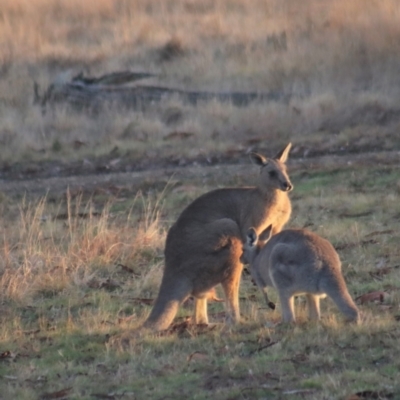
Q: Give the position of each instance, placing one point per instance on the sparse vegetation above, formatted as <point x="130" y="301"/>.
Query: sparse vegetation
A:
<point x="332" y="64"/>
<point x="81" y="266"/>
<point x="78" y="271"/>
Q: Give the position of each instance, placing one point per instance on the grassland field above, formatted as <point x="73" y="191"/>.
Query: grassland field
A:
<point x="82" y="227"/>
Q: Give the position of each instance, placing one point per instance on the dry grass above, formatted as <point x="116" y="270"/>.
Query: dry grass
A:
<point x="337" y="60"/>
<point x="76" y="271"/>
<point x="52" y="249"/>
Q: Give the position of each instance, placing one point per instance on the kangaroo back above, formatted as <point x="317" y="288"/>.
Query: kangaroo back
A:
<point x="265" y="204"/>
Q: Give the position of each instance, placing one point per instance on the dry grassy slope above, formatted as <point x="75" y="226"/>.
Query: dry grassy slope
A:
<point x="336" y="62"/>
<point x="41" y="181"/>
<point x="79" y="267"/>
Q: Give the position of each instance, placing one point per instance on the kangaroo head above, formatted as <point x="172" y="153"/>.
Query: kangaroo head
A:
<point x="254" y="243"/>
<point x="273" y="173"/>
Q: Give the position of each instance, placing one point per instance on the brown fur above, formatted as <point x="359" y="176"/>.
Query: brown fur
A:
<point x="204" y="245"/>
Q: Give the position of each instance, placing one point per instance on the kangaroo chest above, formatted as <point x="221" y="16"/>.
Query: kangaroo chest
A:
<point x="266" y="211"/>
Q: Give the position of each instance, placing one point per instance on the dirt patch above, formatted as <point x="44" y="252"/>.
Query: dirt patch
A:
<point x="48" y="178"/>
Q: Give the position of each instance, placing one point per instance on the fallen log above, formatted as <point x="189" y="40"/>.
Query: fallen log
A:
<point x="92" y="94"/>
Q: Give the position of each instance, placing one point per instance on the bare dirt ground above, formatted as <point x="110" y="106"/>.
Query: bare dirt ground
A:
<point x="53" y="179"/>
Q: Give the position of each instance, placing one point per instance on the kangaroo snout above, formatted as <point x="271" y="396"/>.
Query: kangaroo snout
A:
<point x="286" y="186"/>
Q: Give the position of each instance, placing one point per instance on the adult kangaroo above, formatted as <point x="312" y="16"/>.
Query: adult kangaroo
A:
<point x="204" y="245"/>
<point x="297" y="261"/>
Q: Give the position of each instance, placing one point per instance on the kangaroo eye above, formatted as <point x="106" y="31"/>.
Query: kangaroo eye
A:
<point x="272" y="174"/>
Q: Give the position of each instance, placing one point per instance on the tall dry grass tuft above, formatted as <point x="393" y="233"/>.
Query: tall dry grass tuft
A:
<point x="43" y="255"/>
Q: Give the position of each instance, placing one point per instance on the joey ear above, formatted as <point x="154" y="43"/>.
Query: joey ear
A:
<point x="282" y="156"/>
<point x="266" y="234"/>
<point x="258" y="159"/>
<point x="251" y="237"/>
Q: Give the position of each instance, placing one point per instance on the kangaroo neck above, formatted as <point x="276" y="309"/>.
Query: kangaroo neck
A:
<point x="270" y="194"/>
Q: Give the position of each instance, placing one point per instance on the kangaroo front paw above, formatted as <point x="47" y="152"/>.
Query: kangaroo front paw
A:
<point x="271" y="305"/>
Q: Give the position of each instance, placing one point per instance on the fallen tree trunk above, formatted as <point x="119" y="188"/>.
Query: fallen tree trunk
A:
<point x="91" y="94"/>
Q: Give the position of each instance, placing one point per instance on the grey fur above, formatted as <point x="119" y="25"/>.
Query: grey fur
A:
<point x="297" y="261"/>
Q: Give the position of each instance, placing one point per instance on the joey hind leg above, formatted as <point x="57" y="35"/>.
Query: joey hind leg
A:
<point x="287" y="306"/>
<point x="313" y="307"/>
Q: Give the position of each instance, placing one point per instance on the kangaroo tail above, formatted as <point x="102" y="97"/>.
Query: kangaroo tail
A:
<point x="338" y="292"/>
<point x="172" y="294"/>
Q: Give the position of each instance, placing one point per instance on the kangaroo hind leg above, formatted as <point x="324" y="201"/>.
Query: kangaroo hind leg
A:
<point x="287" y="306"/>
<point x="227" y="249"/>
<point x="230" y="286"/>
<point x="200" y="311"/>
<point x="313" y="306"/>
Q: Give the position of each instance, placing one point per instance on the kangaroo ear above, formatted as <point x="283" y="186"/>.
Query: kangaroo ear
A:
<point x="251" y="237"/>
<point x="266" y="234"/>
<point x="282" y="156"/>
<point x="258" y="159"/>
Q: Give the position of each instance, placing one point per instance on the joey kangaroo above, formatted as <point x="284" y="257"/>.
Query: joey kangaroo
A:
<point x="297" y="261"/>
<point x="204" y="245"/>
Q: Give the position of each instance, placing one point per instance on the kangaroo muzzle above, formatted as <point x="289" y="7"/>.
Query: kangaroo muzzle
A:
<point x="286" y="186"/>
